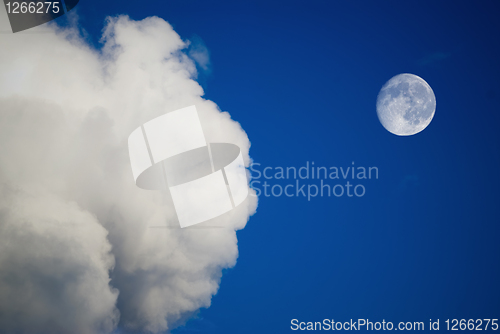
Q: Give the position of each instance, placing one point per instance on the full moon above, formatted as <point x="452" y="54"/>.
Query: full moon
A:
<point x="406" y="104"/>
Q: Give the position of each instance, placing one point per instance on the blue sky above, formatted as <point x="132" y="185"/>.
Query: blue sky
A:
<point x="302" y="79"/>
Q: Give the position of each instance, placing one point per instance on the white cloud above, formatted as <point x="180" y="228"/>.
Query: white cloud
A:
<point x="71" y="216"/>
<point x="199" y="52"/>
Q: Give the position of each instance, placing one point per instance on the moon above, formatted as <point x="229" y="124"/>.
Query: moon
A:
<point x="406" y="104"/>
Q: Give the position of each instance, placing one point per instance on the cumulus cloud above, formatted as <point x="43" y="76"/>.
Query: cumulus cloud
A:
<point x="78" y="251"/>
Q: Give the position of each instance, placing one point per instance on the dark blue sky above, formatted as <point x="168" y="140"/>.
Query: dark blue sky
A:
<point x="302" y="79"/>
